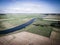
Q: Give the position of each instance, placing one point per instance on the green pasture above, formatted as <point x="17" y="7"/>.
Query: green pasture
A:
<point x="12" y="20"/>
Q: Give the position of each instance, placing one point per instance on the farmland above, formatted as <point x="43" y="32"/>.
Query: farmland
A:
<point x="12" y="20"/>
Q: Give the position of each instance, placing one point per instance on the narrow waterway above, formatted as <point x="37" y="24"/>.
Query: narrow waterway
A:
<point x="17" y="27"/>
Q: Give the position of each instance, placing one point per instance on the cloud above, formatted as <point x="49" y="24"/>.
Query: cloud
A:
<point x="30" y="8"/>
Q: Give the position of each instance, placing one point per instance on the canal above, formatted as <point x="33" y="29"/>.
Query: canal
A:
<point x="17" y="27"/>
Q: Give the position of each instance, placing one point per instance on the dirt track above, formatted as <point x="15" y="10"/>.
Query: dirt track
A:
<point x="24" y="38"/>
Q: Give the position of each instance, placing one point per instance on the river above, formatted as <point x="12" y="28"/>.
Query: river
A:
<point x="17" y="27"/>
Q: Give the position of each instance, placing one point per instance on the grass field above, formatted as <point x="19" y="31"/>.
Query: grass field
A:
<point x="12" y="20"/>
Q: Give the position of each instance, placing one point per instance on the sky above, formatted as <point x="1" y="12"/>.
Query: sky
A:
<point x="29" y="6"/>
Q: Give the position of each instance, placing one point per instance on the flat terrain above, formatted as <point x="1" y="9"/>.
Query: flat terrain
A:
<point x="24" y="38"/>
<point x="13" y="20"/>
<point x="37" y="33"/>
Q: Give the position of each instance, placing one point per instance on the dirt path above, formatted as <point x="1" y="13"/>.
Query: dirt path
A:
<point x="24" y="38"/>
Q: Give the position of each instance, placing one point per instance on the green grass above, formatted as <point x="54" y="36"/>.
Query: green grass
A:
<point x="18" y="20"/>
<point x="41" y="31"/>
<point x="44" y="31"/>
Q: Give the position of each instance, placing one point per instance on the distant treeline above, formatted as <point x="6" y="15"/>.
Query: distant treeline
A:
<point x="37" y="13"/>
<point x="52" y="14"/>
<point x="2" y="14"/>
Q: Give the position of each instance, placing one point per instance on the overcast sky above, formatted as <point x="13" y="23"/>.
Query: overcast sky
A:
<point x="29" y="6"/>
